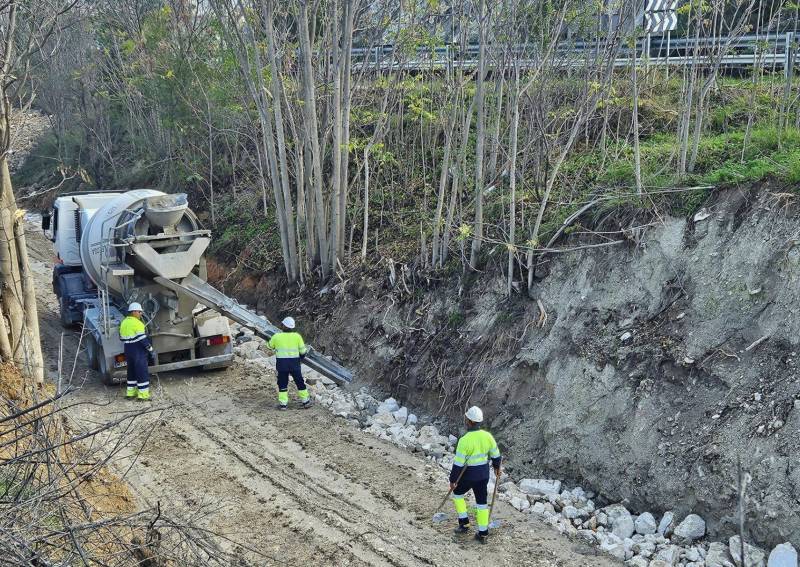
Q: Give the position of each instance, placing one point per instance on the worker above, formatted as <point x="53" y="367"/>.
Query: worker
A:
<point x="474" y="451"/>
<point x="138" y="350"/>
<point x="289" y="350"/>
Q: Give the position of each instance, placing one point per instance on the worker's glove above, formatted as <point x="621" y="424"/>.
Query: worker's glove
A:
<point x="150" y="348"/>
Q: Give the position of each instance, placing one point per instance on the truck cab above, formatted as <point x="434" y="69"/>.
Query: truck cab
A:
<point x="63" y="225"/>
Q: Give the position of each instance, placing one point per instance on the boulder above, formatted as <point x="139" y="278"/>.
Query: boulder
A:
<point x="538" y="486"/>
<point x="621" y="520"/>
<point x="401" y="415"/>
<point x="645" y="524"/>
<point x="613" y="545"/>
<point x="667" y="524"/>
<point x="660" y="563"/>
<point x="520" y="503"/>
<point x="389" y="405"/>
<point x="412" y="419"/>
<point x="669" y="555"/>
<point x="784" y="555"/>
<point x="692" y="528"/>
<point x="381" y="419"/>
<point x="637" y="562"/>
<point x="718" y="556"/>
<point x="570" y="512"/>
<point x="753" y="556"/>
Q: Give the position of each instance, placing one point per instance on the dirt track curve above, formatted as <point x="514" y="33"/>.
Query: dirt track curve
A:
<point x="293" y="487"/>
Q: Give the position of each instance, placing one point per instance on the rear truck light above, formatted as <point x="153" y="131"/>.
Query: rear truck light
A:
<point x="217" y="340"/>
<point x="119" y="361"/>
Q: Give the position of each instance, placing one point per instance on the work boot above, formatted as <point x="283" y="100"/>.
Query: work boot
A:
<point x="482" y="537"/>
<point x="463" y="526"/>
<point x="282" y="407"/>
<point x="131" y="393"/>
<point x="143" y="395"/>
<point x="306" y="404"/>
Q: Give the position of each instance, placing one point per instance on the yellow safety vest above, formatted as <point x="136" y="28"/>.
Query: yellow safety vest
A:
<point x="132" y="330"/>
<point x="287" y="345"/>
<point x="476" y="448"/>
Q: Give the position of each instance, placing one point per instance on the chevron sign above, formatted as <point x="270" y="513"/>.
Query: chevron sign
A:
<point x="660" y="22"/>
<point x="661" y="6"/>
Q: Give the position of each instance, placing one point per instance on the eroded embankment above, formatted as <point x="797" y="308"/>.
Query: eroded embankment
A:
<point x="661" y="362"/>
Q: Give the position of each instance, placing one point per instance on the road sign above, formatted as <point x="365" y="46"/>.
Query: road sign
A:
<point x="660" y="22"/>
<point x="661" y="6"/>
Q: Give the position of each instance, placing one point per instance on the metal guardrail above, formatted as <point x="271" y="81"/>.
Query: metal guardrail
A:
<point x="773" y="50"/>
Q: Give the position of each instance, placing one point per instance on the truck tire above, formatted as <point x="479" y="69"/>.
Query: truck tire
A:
<point x="106" y="373"/>
<point x="64" y="313"/>
<point x="92" y="353"/>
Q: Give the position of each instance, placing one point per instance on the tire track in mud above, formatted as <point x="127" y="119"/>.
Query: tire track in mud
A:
<point x="308" y="493"/>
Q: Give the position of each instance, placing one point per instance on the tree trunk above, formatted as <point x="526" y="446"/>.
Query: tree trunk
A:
<point x="637" y="154"/>
<point x="312" y="134"/>
<point x="480" y="134"/>
<point x="512" y="181"/>
<point x="34" y="362"/>
<point x="365" y="228"/>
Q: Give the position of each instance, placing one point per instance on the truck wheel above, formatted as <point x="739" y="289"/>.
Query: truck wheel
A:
<point x="64" y="312"/>
<point x="106" y="374"/>
<point x="92" y="352"/>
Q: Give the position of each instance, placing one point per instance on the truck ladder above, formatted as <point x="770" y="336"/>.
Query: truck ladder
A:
<point x="205" y="293"/>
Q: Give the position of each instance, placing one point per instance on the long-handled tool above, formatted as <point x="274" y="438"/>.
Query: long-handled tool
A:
<point x="439" y="517"/>
<point x="494" y="523"/>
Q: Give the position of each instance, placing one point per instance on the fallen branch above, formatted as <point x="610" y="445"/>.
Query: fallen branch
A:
<point x="754" y="344"/>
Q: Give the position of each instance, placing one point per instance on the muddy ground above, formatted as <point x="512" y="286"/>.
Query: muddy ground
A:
<point x="283" y="488"/>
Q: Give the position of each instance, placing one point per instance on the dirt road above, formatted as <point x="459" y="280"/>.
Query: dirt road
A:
<point x="293" y="487"/>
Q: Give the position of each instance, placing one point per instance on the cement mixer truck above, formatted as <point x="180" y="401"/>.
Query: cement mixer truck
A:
<point x="149" y="247"/>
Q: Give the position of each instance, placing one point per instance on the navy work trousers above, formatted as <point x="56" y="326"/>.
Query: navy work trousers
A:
<point x="289" y="367"/>
<point x="136" y="357"/>
<point x="479" y="489"/>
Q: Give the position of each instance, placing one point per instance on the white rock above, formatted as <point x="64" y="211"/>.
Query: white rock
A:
<point x="693" y="555"/>
<point x="389" y="405"/>
<point x="637" y="562"/>
<point x="613" y="545"/>
<point x="589" y="537"/>
<point x="401" y="415"/>
<point x="538" y="486"/>
<point x="602" y="519"/>
<point x="667" y="524"/>
<point x="753" y="556"/>
<point x="692" y="528"/>
<point x="520" y="503"/>
<point x="718" y="556"/>
<point x="644" y="548"/>
<point x="570" y="512"/>
<point x="621" y="520"/>
<point x="669" y="554"/>
<point x="452" y="440"/>
<point x="412" y="419"/>
<point x="645" y="524"/>
<point x="784" y="555"/>
<point x="626" y="336"/>
<point x="381" y="419"/>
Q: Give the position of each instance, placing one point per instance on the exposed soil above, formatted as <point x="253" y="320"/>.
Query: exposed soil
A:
<point x="662" y="362"/>
<point x="287" y="488"/>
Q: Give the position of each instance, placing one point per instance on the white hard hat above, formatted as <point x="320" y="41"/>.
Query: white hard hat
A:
<point x="135" y="307"/>
<point x="288" y="323"/>
<point x="474" y="414"/>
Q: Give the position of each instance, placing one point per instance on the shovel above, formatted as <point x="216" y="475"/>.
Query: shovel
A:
<point x="494" y="523"/>
<point x="438" y="516"/>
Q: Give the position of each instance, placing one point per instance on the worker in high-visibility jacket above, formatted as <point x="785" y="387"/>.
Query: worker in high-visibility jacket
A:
<point x="474" y="451"/>
<point x="138" y="350"/>
<point x="289" y="349"/>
